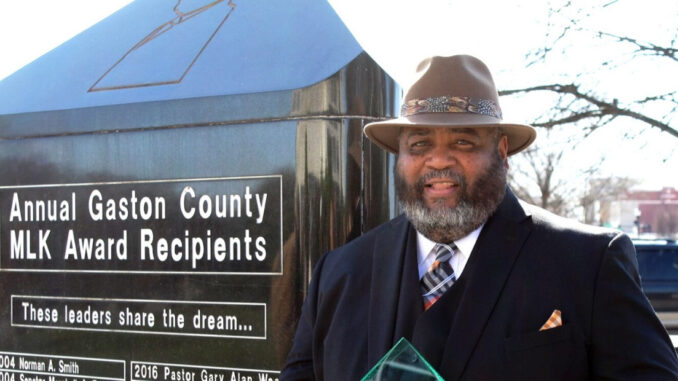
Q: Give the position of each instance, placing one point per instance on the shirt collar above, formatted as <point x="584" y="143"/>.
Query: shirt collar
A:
<point x="464" y="244"/>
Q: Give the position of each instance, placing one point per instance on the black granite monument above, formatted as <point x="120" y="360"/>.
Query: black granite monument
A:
<point x="168" y="179"/>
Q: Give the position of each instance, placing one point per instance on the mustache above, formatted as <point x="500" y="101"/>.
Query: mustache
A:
<point x="441" y="173"/>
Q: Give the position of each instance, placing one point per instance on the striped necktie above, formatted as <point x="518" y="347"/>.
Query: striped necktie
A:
<point x="440" y="276"/>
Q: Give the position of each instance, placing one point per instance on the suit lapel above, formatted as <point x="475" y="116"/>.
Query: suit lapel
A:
<point x="392" y="313"/>
<point x="489" y="267"/>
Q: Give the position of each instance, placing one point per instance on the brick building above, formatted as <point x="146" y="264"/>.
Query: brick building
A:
<point x="647" y="213"/>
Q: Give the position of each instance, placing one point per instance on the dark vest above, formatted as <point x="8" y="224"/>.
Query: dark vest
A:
<point x="427" y="330"/>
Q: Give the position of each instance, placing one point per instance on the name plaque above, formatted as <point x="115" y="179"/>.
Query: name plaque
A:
<point x="37" y="367"/>
<point x="199" y="226"/>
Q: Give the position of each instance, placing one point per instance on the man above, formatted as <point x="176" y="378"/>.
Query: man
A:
<point x="484" y="286"/>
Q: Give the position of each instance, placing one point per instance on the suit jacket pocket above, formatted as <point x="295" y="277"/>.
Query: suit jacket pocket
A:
<point x="539" y="338"/>
<point x="541" y="355"/>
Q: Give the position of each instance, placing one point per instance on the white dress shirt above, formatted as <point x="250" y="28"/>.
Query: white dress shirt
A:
<point x="426" y="255"/>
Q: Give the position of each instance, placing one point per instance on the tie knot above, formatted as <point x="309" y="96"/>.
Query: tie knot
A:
<point x="444" y="251"/>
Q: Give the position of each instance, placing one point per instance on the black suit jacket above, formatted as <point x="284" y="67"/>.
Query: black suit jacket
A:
<point x="526" y="263"/>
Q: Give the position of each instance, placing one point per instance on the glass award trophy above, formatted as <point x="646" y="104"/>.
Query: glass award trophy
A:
<point x="403" y="363"/>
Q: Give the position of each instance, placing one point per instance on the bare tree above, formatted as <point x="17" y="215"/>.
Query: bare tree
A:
<point x="535" y="183"/>
<point x="599" y="194"/>
<point x="586" y="100"/>
<point x="541" y="174"/>
<point x="580" y="105"/>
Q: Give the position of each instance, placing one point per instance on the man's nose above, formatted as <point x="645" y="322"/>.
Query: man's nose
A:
<point x="441" y="157"/>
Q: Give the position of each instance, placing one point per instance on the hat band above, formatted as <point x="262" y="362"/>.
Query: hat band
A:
<point x="447" y="103"/>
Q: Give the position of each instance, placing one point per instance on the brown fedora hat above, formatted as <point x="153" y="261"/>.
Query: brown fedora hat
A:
<point x="455" y="91"/>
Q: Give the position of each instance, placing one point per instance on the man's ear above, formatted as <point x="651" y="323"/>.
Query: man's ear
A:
<point x="400" y="138"/>
<point x="502" y="147"/>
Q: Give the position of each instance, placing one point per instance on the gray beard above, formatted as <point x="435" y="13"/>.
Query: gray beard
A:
<point x="477" y="203"/>
<point x="445" y="225"/>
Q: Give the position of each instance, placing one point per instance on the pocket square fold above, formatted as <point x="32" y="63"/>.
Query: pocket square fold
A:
<point x="555" y="320"/>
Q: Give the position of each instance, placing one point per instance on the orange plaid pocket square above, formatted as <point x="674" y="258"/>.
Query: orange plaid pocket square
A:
<point x="555" y="320"/>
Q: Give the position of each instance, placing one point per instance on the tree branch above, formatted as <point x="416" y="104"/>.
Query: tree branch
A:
<point x="653" y="50"/>
<point x="603" y="108"/>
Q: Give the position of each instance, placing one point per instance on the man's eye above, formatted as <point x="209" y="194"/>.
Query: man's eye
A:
<point x="419" y="143"/>
<point x="462" y="142"/>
